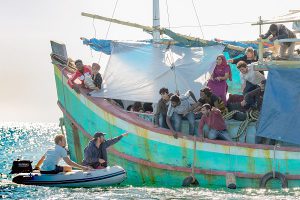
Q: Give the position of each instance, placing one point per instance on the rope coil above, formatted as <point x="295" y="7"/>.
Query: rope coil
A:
<point x="252" y="116"/>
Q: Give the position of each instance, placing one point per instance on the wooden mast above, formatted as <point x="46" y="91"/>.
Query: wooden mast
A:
<point x="156" y="22"/>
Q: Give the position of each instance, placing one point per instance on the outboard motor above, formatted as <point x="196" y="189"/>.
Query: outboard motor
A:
<point x="21" y="166"/>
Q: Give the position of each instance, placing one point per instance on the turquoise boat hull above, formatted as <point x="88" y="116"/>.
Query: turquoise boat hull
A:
<point x="151" y="156"/>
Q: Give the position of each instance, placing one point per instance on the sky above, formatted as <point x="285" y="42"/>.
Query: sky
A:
<point x="27" y="86"/>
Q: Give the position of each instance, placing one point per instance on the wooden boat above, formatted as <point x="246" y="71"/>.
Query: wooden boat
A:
<point x="151" y="156"/>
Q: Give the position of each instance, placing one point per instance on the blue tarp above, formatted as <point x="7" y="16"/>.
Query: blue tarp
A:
<point x="105" y="45"/>
<point x="280" y="115"/>
<point x="98" y="45"/>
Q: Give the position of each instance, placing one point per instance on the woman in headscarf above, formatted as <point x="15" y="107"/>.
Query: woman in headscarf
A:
<point x="217" y="82"/>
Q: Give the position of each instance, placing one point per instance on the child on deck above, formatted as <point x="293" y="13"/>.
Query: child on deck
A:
<point x="95" y="81"/>
<point x="96" y="76"/>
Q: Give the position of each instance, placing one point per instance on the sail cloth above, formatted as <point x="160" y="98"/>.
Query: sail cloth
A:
<point x="280" y="113"/>
<point x="136" y="71"/>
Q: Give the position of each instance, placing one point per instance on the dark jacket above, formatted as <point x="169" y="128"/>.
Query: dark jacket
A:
<point x="256" y="94"/>
<point x="244" y="58"/>
<point x="282" y="33"/>
<point x="162" y="108"/>
<point x="97" y="80"/>
<point x="92" y="154"/>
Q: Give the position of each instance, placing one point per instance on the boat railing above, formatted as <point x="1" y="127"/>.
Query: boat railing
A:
<point x="264" y="64"/>
<point x="145" y="116"/>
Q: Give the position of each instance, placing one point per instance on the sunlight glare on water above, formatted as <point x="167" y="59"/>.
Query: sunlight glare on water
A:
<point x="31" y="140"/>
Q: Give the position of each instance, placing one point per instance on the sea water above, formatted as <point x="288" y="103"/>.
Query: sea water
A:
<point x="31" y="140"/>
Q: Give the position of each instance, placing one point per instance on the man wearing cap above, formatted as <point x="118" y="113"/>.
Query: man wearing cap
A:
<point x="279" y="31"/>
<point x="95" y="154"/>
<point x="81" y="72"/>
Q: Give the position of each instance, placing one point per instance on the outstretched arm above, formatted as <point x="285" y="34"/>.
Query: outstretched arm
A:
<point x="192" y="95"/>
<point x="114" y="140"/>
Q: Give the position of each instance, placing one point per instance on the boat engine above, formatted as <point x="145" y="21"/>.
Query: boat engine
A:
<point x="21" y="166"/>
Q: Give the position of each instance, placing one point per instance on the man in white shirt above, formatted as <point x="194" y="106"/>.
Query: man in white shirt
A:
<point x="180" y="108"/>
<point x="53" y="156"/>
<point x="251" y="78"/>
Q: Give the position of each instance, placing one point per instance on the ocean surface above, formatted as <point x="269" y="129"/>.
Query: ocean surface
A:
<point x="31" y="140"/>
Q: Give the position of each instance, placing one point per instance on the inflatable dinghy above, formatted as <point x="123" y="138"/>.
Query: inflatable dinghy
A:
<point x="77" y="178"/>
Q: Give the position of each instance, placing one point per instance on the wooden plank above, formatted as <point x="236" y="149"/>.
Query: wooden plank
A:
<point x="275" y="22"/>
<point x="146" y="28"/>
<point x="265" y="66"/>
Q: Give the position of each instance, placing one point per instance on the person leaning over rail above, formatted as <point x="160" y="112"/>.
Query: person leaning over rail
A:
<point x="52" y="157"/>
<point x="178" y="109"/>
<point x="249" y="76"/>
<point x="279" y="31"/>
<point x="249" y="57"/>
<point x="212" y="118"/>
<point x="162" y="108"/>
<point x="95" y="153"/>
<point x="81" y="73"/>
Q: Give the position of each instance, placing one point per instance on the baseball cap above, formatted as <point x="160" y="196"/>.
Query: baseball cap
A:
<point x="99" y="134"/>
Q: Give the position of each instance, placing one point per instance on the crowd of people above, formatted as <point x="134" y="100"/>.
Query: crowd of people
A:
<point x="212" y="104"/>
<point x="172" y="108"/>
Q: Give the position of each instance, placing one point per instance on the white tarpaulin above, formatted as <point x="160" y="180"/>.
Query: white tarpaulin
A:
<point x="136" y="71"/>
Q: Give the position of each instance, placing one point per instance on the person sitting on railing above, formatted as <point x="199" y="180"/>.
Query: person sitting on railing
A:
<point x="249" y="76"/>
<point x="162" y="108"/>
<point x="212" y="117"/>
<point x="279" y="31"/>
<point x="81" y="72"/>
<point x="249" y="57"/>
<point x="178" y="109"/>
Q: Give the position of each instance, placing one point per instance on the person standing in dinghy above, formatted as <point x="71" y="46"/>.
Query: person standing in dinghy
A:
<point x="95" y="154"/>
<point x="53" y="156"/>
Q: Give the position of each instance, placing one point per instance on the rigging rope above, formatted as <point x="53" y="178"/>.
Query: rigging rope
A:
<point x="169" y="48"/>
<point x="108" y="28"/>
<point x="198" y="19"/>
<point x="95" y="35"/>
<point x="168" y="14"/>
<point x="95" y="30"/>
<point x="171" y="61"/>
